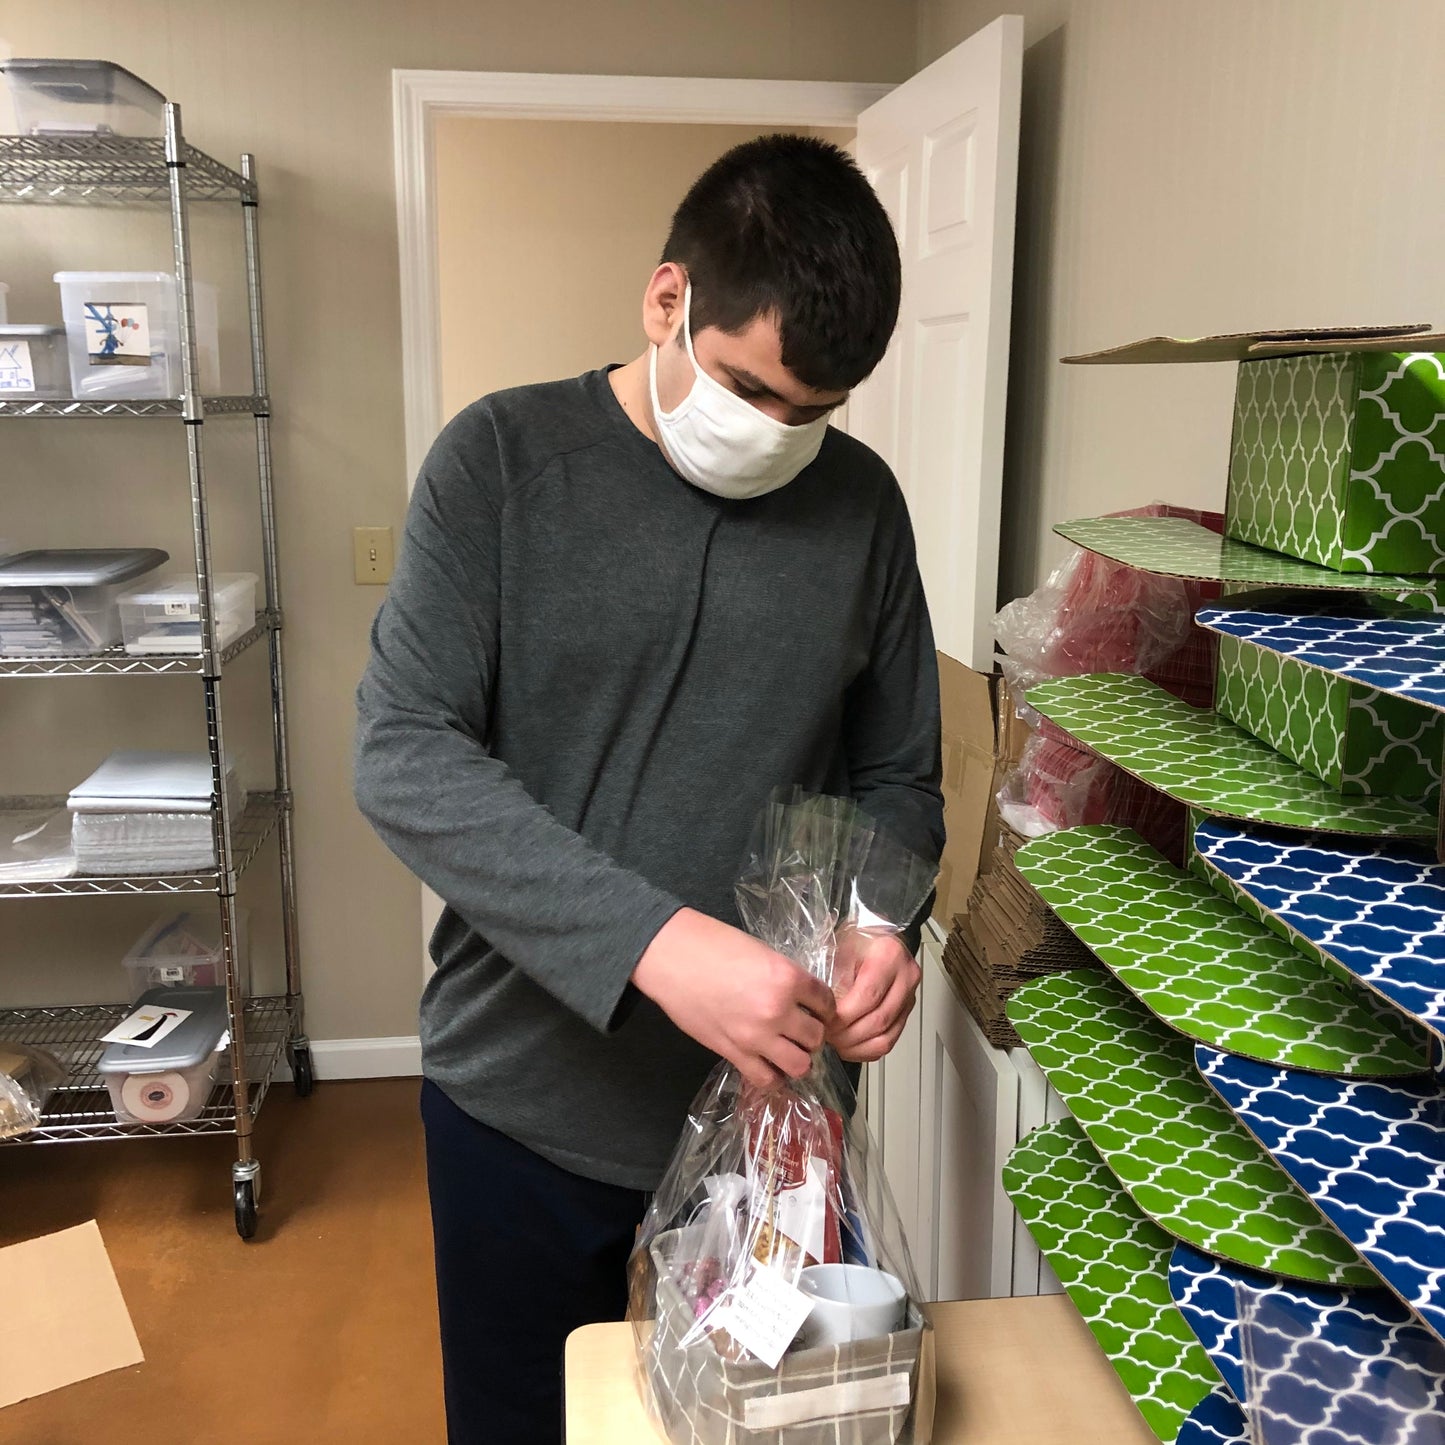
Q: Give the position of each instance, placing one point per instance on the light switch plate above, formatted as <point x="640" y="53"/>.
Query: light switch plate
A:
<point x="372" y="547"/>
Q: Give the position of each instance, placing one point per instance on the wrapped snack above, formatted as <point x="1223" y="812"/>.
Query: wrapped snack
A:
<point x="28" y="1077"/>
<point x="773" y="1298"/>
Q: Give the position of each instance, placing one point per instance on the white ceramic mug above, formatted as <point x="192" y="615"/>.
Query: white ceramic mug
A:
<point x="850" y="1302"/>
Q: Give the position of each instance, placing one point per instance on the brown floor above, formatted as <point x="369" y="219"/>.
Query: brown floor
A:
<point x="322" y="1329"/>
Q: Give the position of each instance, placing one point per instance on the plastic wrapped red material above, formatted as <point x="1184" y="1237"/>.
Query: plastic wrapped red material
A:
<point x="1097" y="615"/>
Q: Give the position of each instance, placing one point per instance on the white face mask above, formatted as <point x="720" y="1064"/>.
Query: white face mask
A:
<point x="720" y="443"/>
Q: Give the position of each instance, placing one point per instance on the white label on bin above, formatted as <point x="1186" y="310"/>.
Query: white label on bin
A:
<point x="117" y="333"/>
<point x="828" y="1402"/>
<point x="17" y="372"/>
<point x="180" y="609"/>
<point x="764" y="1315"/>
<point x="146" y="1027"/>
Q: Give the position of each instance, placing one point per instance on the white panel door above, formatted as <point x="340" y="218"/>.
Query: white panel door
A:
<point x="942" y="152"/>
<point x="968" y="1124"/>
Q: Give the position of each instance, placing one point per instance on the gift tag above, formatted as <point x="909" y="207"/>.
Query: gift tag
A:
<point x="764" y="1315"/>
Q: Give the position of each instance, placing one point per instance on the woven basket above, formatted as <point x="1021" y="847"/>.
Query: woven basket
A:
<point x="862" y="1393"/>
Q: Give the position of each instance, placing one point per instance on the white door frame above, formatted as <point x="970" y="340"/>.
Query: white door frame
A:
<point x="419" y="96"/>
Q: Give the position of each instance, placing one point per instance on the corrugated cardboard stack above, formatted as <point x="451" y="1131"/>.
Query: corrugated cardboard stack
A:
<point x="1005" y="937"/>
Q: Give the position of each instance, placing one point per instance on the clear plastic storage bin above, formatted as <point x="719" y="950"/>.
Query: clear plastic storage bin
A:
<point x="66" y="603"/>
<point x="123" y="334"/>
<point x="185" y="950"/>
<point x="82" y="97"/>
<point x="169" y="1080"/>
<point x="165" y="615"/>
<point x="33" y="362"/>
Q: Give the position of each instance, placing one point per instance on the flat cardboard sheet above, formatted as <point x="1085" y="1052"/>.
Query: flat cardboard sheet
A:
<point x="1185" y="1160"/>
<point x="969" y="762"/>
<point x="1209" y="971"/>
<point x="1375" y="908"/>
<point x="1368" y="1337"/>
<point x="1209" y="763"/>
<point x="1177" y="547"/>
<point x="1370" y="1155"/>
<point x="1114" y="1264"/>
<point x="1245" y="345"/>
<point x="64" y="1319"/>
<point x="1401" y="656"/>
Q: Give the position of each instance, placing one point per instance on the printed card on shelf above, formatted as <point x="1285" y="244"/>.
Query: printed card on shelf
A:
<point x="146" y="1027"/>
<point x="17" y="370"/>
<point x="764" y="1315"/>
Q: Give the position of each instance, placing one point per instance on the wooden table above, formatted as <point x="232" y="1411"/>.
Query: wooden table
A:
<point x="1010" y="1372"/>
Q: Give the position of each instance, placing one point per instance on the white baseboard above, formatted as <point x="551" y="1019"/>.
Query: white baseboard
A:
<point x="396" y="1058"/>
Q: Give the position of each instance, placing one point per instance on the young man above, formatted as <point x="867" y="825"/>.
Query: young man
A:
<point x="626" y="608"/>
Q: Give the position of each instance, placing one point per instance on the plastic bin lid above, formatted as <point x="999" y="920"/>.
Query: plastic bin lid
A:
<point x="65" y="278"/>
<point x="191" y="1043"/>
<point x="30" y="329"/>
<point x="86" y="567"/>
<point x="81" y="82"/>
<point x="182" y="588"/>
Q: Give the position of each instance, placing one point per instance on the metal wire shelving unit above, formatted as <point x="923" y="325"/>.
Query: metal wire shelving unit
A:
<point x="169" y="174"/>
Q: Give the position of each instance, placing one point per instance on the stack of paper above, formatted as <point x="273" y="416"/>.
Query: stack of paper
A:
<point x="148" y="812"/>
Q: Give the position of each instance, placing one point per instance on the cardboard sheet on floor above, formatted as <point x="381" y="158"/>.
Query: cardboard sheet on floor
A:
<point x="1250" y="345"/>
<point x="1177" y="547"/>
<point x="67" y="1320"/>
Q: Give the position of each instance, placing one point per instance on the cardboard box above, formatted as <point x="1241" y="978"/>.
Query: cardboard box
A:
<point x="1350" y="737"/>
<point x="1339" y="459"/>
<point x="981" y="738"/>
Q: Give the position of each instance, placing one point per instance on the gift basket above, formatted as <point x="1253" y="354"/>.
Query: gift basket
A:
<point x="773" y="1298"/>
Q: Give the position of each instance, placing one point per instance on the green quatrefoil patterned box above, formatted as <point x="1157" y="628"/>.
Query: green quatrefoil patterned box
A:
<point x="1339" y="459"/>
<point x="1352" y="738"/>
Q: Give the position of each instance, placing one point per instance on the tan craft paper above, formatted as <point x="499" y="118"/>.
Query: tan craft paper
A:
<point x="67" y="1320"/>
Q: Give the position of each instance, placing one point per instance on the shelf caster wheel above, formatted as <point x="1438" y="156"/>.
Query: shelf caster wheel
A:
<point x="246" y="1208"/>
<point x="302" y="1078"/>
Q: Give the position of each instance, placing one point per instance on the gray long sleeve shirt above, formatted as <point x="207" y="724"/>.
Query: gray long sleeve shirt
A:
<point x="585" y="680"/>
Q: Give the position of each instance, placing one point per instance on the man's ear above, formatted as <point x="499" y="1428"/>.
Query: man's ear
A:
<point x="662" y="302"/>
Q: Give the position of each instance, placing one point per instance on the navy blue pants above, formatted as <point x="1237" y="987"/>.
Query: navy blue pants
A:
<point x="525" y="1253"/>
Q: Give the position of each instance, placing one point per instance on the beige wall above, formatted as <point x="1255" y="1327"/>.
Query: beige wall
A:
<point x="1188" y="168"/>
<point x="306" y="85"/>
<point x="547" y="232"/>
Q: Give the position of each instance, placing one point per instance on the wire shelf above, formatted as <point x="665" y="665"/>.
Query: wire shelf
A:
<point x="173" y="407"/>
<point x="81" y="1108"/>
<point x="249" y="834"/>
<point x="109" y="171"/>
<point x="117" y="662"/>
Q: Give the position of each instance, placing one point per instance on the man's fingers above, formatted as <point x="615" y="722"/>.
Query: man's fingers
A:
<point x="894" y="1009"/>
<point x="789" y="1059"/>
<point x="806" y="1031"/>
<point x="869" y="990"/>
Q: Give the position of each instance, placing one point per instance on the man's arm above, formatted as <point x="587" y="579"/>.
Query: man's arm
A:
<point x="557" y="908"/>
<point x="893" y="746"/>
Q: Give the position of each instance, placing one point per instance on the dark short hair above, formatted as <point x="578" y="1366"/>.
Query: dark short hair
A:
<point x="788" y="226"/>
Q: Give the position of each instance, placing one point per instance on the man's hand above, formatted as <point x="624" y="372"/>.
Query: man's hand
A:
<point x="875" y="1006"/>
<point x="735" y="996"/>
